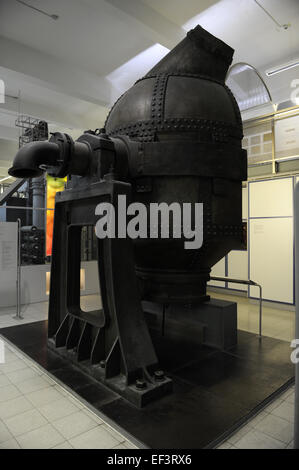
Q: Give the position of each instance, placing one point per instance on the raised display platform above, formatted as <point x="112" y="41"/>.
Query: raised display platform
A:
<point x="214" y="391"/>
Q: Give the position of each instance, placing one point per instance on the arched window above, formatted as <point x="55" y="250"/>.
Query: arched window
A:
<point x="247" y="86"/>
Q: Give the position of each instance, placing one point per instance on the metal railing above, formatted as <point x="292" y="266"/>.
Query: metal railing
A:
<point x="247" y="283"/>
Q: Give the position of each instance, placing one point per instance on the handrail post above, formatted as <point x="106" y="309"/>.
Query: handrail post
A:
<point x="260" y="313"/>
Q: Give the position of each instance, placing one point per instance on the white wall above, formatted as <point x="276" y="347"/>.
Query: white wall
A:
<point x="271" y="258"/>
<point x="237" y="268"/>
<point x="219" y="271"/>
<point x="34" y="284"/>
<point x="236" y="261"/>
<point x="8" y="262"/>
<point x="271" y="255"/>
<point x="269" y="261"/>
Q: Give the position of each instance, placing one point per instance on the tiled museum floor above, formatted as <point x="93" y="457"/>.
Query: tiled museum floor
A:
<point x="37" y="412"/>
<point x="277" y="322"/>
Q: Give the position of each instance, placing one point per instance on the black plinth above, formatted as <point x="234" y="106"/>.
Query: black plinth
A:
<point x="212" y="323"/>
<point x="214" y="391"/>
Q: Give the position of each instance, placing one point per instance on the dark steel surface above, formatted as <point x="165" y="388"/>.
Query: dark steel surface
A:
<point x="191" y="128"/>
<point x="214" y="392"/>
<point x="175" y="136"/>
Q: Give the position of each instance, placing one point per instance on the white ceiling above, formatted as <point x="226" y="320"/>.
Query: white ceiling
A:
<point x="82" y="36"/>
<point x="178" y="11"/>
<point x="71" y="70"/>
<point x="254" y="36"/>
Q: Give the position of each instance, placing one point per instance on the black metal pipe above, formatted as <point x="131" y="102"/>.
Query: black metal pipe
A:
<point x="27" y="162"/>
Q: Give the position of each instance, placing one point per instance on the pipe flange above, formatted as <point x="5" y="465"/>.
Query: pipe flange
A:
<point x="66" y="145"/>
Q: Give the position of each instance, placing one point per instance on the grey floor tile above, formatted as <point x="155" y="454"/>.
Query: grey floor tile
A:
<point x="44" y="437"/>
<point x="239" y="434"/>
<point x="58" y="409"/>
<point x="17" y="364"/>
<point x="74" y="424"/>
<point x="15" y="406"/>
<point x="92" y="415"/>
<point x="25" y="422"/>
<point x="287" y="393"/>
<point x="96" y="438"/>
<point x="4" y="380"/>
<point x="276" y="427"/>
<point x="117" y="435"/>
<point x="255" y="439"/>
<point x="34" y="384"/>
<point x="44" y="396"/>
<point x="285" y="410"/>
<point x="70" y="397"/>
<point x="291" y="398"/>
<point x="9" y="356"/>
<point x="5" y="435"/>
<point x="19" y="376"/>
<point x="49" y="379"/>
<point x="8" y="392"/>
<point x="273" y="405"/>
<point x="259" y="417"/>
<point x="11" y="444"/>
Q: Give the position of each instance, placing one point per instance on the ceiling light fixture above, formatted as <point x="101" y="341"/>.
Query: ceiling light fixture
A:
<point x="53" y="17"/>
<point x="284" y="26"/>
<point x="282" y="68"/>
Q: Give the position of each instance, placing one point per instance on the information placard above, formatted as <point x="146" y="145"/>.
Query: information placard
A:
<point x="8" y="263"/>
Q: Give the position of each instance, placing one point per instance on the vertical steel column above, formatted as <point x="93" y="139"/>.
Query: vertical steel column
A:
<point x="296" y="227"/>
<point x="38" y="201"/>
<point x="260" y="311"/>
<point x="18" y="315"/>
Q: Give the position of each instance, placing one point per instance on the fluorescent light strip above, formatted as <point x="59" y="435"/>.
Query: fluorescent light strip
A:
<point x="282" y="68"/>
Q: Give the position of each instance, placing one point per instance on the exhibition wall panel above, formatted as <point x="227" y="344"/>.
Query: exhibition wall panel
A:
<point x="237" y="268"/>
<point x="270" y="240"/>
<point x="235" y="264"/>
<point x="218" y="270"/>
<point x="8" y="262"/>
<point x="269" y="261"/>
<point x="271" y="258"/>
<point x="35" y="284"/>
<point x="271" y="198"/>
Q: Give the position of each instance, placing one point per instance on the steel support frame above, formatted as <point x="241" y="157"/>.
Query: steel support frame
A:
<point x="112" y="344"/>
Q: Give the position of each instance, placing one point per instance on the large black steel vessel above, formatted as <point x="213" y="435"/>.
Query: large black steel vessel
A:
<point x="175" y="136"/>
